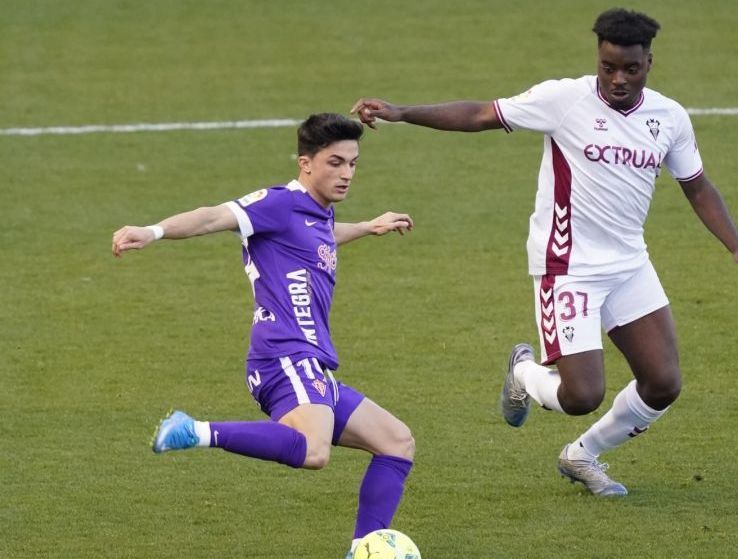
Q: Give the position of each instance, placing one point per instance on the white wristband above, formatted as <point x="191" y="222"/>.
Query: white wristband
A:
<point x="157" y="230"/>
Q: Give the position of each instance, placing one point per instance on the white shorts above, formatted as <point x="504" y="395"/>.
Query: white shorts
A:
<point x="572" y="311"/>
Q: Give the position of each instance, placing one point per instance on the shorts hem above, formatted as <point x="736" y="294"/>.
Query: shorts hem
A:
<point x="635" y="316"/>
<point x="551" y="358"/>
<point x="284" y="411"/>
<point x="559" y="354"/>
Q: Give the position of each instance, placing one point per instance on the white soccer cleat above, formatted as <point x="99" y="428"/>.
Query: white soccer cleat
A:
<point x="591" y="474"/>
<point x="514" y="400"/>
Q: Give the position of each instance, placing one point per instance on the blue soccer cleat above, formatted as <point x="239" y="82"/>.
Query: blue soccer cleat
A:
<point x="514" y="400"/>
<point x="175" y="432"/>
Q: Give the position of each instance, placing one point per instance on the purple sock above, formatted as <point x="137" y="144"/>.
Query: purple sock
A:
<point x="380" y="493"/>
<point x="266" y="440"/>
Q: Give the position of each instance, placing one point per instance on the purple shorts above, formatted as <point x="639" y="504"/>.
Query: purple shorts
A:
<point x="281" y="384"/>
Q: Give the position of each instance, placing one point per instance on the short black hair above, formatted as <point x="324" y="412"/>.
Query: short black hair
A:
<point x="323" y="129"/>
<point x="625" y="28"/>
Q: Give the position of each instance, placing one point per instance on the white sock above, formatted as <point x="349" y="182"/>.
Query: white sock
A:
<point x="202" y="430"/>
<point x="576" y="451"/>
<point x="540" y="382"/>
<point x="628" y="417"/>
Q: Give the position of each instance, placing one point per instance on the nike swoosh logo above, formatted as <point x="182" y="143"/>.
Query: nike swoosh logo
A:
<point x="310" y="223"/>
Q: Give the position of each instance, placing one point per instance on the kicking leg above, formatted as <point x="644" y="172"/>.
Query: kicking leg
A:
<point x="375" y="430"/>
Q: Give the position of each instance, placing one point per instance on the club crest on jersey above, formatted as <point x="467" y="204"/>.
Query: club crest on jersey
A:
<point x="600" y="124"/>
<point x="569" y="333"/>
<point x="653" y="127"/>
<point x="328" y="258"/>
<point x="319" y="385"/>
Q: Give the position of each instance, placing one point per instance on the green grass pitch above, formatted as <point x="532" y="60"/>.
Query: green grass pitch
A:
<point x="94" y="350"/>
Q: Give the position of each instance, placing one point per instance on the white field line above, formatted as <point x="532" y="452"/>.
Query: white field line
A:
<point x="148" y="127"/>
<point x="224" y="125"/>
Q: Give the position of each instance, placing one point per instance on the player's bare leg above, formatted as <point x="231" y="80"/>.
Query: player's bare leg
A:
<point x="575" y="386"/>
<point x="650" y="346"/>
<point x="374" y="429"/>
<point x="582" y="385"/>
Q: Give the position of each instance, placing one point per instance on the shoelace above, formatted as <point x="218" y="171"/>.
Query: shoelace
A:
<point x="598" y="468"/>
<point x="518" y="396"/>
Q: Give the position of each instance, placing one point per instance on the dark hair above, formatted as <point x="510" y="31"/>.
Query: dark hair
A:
<point x="321" y="130"/>
<point x="625" y="28"/>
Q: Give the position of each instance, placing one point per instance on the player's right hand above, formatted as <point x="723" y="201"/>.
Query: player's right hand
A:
<point x="131" y="237"/>
<point x="369" y="110"/>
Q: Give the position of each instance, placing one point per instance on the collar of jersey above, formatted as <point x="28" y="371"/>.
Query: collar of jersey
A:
<point x="317" y="210"/>
<point x="294" y="184"/>
<point x="624" y="112"/>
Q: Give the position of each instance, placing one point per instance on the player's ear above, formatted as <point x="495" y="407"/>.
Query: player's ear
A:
<point x="305" y="163"/>
<point x="650" y="60"/>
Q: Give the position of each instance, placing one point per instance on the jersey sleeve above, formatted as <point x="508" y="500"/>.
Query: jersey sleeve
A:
<point x="262" y="211"/>
<point x="683" y="158"/>
<point x="541" y="109"/>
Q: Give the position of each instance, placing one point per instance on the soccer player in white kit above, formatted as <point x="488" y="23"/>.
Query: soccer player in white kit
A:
<point x="606" y="138"/>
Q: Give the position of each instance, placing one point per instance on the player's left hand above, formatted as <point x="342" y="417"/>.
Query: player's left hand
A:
<point x="391" y="221"/>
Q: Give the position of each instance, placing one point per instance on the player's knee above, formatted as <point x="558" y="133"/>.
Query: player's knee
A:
<point x="663" y="392"/>
<point x="399" y="442"/>
<point x="318" y="455"/>
<point x="407" y="444"/>
<point x="581" y="403"/>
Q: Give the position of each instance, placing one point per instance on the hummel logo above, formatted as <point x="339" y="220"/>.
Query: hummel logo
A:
<point x="310" y="223"/>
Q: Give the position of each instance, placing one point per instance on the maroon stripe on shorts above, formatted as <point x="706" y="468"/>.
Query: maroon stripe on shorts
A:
<point x="548" y="319"/>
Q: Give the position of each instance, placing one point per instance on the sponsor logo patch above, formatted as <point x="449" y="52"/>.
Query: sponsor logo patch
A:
<point x="600" y="124"/>
<point x="328" y="258"/>
<point x="253" y="197"/>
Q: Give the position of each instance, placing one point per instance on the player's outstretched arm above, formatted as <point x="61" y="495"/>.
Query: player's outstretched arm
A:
<point x="462" y="116"/>
<point x="709" y="205"/>
<point x="181" y="226"/>
<point x="390" y="221"/>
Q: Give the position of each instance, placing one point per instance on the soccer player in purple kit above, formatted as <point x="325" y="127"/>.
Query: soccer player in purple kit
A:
<point x="289" y="240"/>
<point x="605" y="140"/>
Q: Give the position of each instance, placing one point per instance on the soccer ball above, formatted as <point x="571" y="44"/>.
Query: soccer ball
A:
<point x="386" y="544"/>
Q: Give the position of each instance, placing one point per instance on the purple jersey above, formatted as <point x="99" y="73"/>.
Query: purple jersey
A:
<point x="289" y="253"/>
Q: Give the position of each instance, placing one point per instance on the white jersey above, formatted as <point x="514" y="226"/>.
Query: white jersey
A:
<point x="598" y="172"/>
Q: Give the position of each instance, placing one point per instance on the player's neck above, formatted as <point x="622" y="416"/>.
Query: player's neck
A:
<point x="306" y="182"/>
